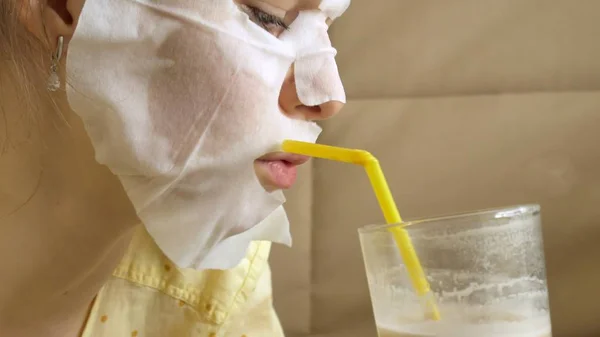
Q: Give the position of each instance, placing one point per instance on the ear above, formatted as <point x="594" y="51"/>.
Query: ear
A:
<point x="49" y="19"/>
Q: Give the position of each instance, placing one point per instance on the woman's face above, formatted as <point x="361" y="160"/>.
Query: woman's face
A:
<point x="274" y="16"/>
<point x="184" y="99"/>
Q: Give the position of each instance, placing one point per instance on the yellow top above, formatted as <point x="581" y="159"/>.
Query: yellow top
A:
<point x="148" y="296"/>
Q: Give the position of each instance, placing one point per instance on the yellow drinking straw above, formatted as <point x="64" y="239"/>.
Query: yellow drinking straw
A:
<point x="386" y="202"/>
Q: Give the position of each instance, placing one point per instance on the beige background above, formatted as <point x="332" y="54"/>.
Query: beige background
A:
<point x="468" y="104"/>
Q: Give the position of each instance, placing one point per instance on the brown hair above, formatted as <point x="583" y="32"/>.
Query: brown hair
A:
<point x="24" y="66"/>
<point x="23" y="74"/>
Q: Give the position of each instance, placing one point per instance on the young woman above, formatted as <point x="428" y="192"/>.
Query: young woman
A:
<point x="129" y="129"/>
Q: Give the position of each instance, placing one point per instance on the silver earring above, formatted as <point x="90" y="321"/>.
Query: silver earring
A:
<point x="54" y="80"/>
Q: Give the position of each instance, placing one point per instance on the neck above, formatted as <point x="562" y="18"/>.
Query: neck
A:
<point x="65" y="221"/>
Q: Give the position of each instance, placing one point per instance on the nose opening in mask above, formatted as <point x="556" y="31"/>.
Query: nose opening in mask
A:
<point x="330" y="109"/>
<point x="320" y="112"/>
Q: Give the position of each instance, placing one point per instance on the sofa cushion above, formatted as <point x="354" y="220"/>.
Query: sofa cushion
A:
<point x="399" y="48"/>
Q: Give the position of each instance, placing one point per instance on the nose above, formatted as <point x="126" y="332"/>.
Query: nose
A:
<point x="293" y="107"/>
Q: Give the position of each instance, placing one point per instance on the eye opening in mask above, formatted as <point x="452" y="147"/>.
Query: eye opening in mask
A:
<point x="267" y="21"/>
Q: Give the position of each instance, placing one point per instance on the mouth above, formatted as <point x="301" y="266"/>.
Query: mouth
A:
<point x="279" y="170"/>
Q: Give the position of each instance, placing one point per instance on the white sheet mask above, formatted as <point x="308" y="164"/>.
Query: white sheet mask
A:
<point x="179" y="97"/>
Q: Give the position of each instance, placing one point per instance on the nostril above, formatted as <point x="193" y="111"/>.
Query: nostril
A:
<point x="330" y="109"/>
<point x="309" y="109"/>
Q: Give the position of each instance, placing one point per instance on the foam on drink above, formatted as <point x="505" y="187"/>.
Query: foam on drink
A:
<point x="539" y="327"/>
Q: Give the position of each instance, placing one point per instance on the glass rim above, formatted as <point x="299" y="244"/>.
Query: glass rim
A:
<point x="504" y="212"/>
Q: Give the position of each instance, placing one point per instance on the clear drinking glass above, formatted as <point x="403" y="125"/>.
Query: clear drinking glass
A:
<point x="486" y="270"/>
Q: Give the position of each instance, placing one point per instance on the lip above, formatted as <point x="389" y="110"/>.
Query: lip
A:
<point x="294" y="159"/>
<point x="279" y="170"/>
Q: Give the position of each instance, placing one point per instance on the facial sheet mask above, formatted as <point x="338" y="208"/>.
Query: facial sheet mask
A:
<point x="179" y="97"/>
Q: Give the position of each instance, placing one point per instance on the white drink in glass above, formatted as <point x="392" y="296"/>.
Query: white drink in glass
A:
<point x="486" y="271"/>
